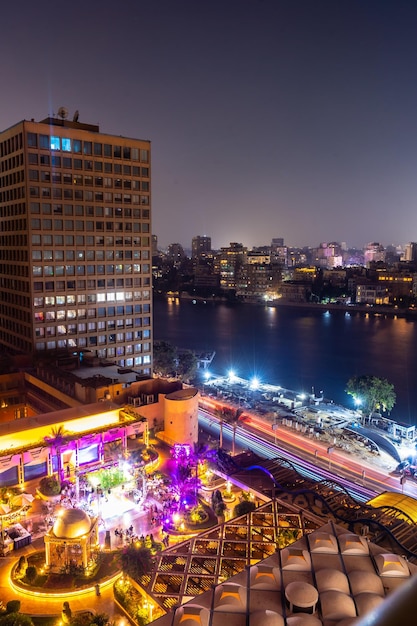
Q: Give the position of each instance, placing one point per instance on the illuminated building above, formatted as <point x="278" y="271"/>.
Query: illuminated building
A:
<point x="119" y="410"/>
<point x="228" y="262"/>
<point x="373" y="251"/>
<point x="200" y="246"/>
<point x="75" y="242"/>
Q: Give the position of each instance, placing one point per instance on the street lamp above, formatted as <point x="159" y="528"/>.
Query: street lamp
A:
<point x="232" y="376"/>
<point x="275" y="426"/>
<point x="330" y="449"/>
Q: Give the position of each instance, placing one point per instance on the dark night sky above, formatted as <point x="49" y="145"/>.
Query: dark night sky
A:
<point x="268" y="118"/>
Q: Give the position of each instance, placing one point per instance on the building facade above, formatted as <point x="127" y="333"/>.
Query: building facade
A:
<point x="200" y="246"/>
<point x="75" y="242"/>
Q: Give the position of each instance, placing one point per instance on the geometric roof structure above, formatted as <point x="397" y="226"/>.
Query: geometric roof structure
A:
<point x="398" y="503"/>
<point x="325" y="578"/>
<point x="190" y="568"/>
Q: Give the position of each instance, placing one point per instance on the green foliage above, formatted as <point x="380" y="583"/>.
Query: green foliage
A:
<point x="187" y="365"/>
<point x="109" y="478"/>
<point x="13" y="606"/>
<point x="372" y="393"/>
<point x="100" y="619"/>
<point x="50" y="486"/>
<point x="82" y="619"/>
<point x="31" y="574"/>
<point x="15" y="619"/>
<point x="164" y="358"/>
<point x="244" y="507"/>
<point x="136" y="561"/>
<point x="217" y="503"/>
<point x="22" y="565"/>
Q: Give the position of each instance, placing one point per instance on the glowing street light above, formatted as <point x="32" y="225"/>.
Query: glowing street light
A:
<point x="232" y="376"/>
<point x="207" y="375"/>
<point x="254" y="384"/>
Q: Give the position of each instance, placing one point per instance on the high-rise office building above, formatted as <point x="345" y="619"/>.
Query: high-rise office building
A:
<point x="75" y="242"/>
<point x="200" y="246"/>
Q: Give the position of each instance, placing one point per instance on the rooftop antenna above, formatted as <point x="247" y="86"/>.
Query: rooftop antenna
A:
<point x="63" y="113"/>
<point x="76" y="116"/>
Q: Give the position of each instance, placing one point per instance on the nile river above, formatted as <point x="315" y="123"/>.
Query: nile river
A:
<point x="297" y="348"/>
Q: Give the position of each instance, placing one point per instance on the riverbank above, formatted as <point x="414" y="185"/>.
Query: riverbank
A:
<point x="365" y="309"/>
<point x="330" y="426"/>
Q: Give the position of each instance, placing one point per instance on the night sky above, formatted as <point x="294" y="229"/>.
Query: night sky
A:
<point x="268" y="118"/>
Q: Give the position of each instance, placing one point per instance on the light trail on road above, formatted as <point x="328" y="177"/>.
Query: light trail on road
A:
<point x="267" y="450"/>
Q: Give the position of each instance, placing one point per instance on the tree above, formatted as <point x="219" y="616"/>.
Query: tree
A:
<point x="217" y="503"/>
<point x="31" y="574"/>
<point x="244" y="507"/>
<point x="234" y="418"/>
<point x="15" y="619"/>
<point x="136" y="561"/>
<point x="187" y="365"/>
<point x="100" y="619"/>
<point x="164" y="358"/>
<point x="57" y="439"/>
<point x="371" y="393"/>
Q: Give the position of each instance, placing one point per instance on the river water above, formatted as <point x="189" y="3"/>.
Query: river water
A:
<point x="299" y="349"/>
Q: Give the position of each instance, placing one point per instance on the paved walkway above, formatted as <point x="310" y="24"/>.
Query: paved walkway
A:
<point x="140" y="520"/>
<point x="127" y="514"/>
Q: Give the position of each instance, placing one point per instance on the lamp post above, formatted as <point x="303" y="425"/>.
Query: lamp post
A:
<point x="275" y="428"/>
<point x="330" y="449"/>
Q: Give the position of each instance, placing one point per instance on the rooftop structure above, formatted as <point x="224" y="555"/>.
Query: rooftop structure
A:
<point x="328" y="577"/>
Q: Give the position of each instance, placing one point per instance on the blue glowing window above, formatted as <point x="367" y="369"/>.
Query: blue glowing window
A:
<point x="66" y="144"/>
<point x="54" y="143"/>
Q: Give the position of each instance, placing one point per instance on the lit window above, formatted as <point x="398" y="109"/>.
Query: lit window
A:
<point x="66" y="144"/>
<point x="54" y="143"/>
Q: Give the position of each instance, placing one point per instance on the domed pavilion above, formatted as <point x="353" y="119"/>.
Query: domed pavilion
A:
<point x="72" y="542"/>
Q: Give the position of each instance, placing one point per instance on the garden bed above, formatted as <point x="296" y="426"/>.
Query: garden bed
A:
<point x="107" y="567"/>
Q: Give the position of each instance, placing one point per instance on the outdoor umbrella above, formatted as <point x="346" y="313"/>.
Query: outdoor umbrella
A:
<point x="22" y="499"/>
<point x="4" y="509"/>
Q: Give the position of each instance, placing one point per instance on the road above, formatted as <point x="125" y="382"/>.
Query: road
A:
<point x="312" y="458"/>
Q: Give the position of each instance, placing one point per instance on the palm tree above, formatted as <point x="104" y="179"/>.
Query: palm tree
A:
<point x="57" y="439"/>
<point x="114" y="450"/>
<point x="222" y="415"/>
<point x="136" y="561"/>
<point x="235" y="420"/>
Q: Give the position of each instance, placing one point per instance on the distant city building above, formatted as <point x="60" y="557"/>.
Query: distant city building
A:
<point x="154" y="245"/>
<point x="279" y="252"/>
<point x="75" y="242"/>
<point x="329" y="255"/>
<point x="410" y="252"/>
<point x="372" y="294"/>
<point x="176" y="252"/>
<point x="373" y="252"/>
<point x="258" y="257"/>
<point x="398" y="284"/>
<point x="258" y="281"/>
<point x="204" y="276"/>
<point x="228" y="262"/>
<point x="200" y="247"/>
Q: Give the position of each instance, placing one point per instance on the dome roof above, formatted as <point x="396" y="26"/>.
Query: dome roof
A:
<point x="72" y="523"/>
<point x="332" y="580"/>
<point x="266" y="618"/>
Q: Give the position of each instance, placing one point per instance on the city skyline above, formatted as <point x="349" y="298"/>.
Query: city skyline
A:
<point x="267" y="118"/>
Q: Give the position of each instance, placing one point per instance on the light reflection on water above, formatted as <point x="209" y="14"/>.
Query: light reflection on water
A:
<point x="298" y="349"/>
